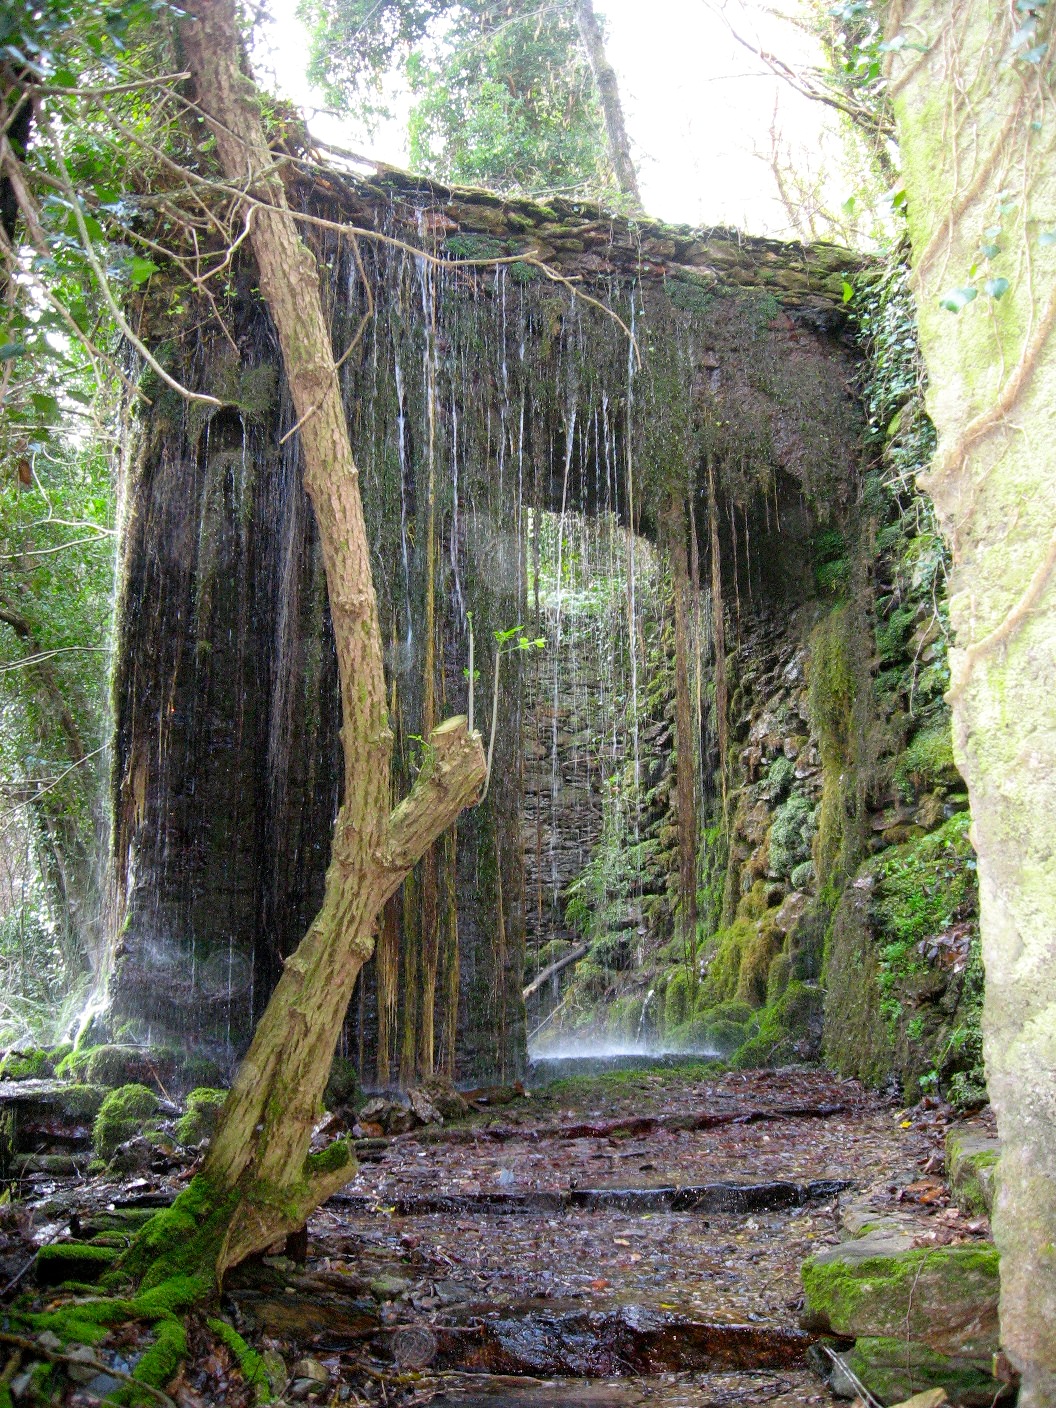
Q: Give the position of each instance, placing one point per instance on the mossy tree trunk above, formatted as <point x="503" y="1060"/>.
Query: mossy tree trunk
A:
<point x="258" y="1166"/>
<point x="973" y="102"/>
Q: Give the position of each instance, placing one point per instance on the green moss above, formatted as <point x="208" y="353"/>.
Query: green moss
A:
<point x="335" y="1156"/>
<point x="250" y="1364"/>
<point x="927" y="762"/>
<point x="795" y="1015"/>
<point x="122" y="1115"/>
<point x="475" y="247"/>
<point x="900" y="1294"/>
<point x="72" y="1261"/>
<point x="26" y="1065"/>
<point x="203" y="1113"/>
<point x="182" y="1240"/>
<point x="160" y="1362"/>
<point x="894" y="1369"/>
<point x="83" y="1101"/>
<point x="791" y="835"/>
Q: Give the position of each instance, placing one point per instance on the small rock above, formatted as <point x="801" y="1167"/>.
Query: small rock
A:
<point x="791" y="912"/>
<point x="102" y="1385"/>
<point x="423" y="1107"/>
<point x="387" y="1287"/>
<point x="275" y="1368"/>
<point x="301" y="1388"/>
<point x="313" y="1370"/>
<point x="932" y="1398"/>
<point x="134" y="1156"/>
<point x="20" y="1384"/>
<point x="80" y="1363"/>
<point x="49" y="1341"/>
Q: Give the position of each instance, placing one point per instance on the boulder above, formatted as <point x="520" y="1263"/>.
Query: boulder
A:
<point x="971" y="1163"/>
<point x="894" y="1370"/>
<point x="943" y="1298"/>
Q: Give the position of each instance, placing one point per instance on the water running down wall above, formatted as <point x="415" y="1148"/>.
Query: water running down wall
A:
<point x="479" y="401"/>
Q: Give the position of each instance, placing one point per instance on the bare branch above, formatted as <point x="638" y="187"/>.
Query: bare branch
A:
<point x="104" y="287"/>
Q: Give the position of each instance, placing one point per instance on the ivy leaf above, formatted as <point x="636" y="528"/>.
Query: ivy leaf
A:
<point x="1047" y="238"/>
<point x="1035" y="55"/>
<point x="958" y="298"/>
<point x="848" y="291"/>
<point x="990" y="251"/>
<point x="10" y="350"/>
<point x="996" y="288"/>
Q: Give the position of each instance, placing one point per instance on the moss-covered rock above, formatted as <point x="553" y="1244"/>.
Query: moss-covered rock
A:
<point x="786" y="1029"/>
<point x="971" y="1168"/>
<point x="33" y="1064"/>
<point x="342" y="1086"/>
<point x="894" y="1369"/>
<point x="202" y="1115"/>
<point x="123" y="1114"/>
<point x="72" y="1261"/>
<point x="82" y="1101"/>
<point x="944" y="1298"/>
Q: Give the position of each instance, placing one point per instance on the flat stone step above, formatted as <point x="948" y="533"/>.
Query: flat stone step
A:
<point x="629" y="1340"/>
<point x="731" y="1198"/>
<point x="653" y="1391"/>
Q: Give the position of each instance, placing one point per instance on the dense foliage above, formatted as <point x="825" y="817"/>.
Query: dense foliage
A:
<point x="501" y="94"/>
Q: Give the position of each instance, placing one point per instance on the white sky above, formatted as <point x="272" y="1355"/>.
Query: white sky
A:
<point x="699" y="110"/>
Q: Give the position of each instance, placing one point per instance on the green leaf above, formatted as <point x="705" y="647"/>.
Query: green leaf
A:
<point x="1047" y="238"/>
<point x="958" y="298"/>
<point x="990" y="251"/>
<point x="140" y="270"/>
<point x="848" y="291"/>
<point x="45" y="406"/>
<point x="1035" y="55"/>
<point x="10" y="350"/>
<point x="996" y="288"/>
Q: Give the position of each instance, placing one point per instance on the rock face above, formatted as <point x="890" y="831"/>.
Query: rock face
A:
<point x="479" y="401"/>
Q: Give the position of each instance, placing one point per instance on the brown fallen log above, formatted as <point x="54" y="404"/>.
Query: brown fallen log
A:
<point x="540" y="978"/>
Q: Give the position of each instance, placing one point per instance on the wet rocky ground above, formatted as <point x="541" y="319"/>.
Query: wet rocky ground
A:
<point x="609" y="1242"/>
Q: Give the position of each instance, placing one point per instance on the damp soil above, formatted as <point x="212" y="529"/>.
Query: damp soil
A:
<point x="608" y="1242"/>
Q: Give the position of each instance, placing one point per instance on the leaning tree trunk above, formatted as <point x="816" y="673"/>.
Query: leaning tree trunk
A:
<point x="258" y="1167"/>
<point x="611" y="107"/>
<point x="972" y="95"/>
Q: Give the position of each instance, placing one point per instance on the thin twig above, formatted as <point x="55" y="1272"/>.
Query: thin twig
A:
<point x="54" y="1356"/>
<point x="104" y="287"/>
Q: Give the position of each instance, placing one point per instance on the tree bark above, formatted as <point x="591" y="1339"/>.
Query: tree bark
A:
<point x="612" y="108"/>
<point x="260" y="1151"/>
<point x="979" y="150"/>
